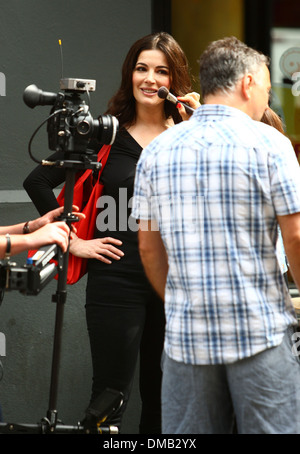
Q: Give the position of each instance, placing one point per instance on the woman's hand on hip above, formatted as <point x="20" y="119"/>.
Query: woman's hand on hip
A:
<point x="102" y="249"/>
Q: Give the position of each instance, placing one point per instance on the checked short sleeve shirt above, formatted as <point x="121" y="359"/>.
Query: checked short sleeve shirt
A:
<point x="215" y="185"/>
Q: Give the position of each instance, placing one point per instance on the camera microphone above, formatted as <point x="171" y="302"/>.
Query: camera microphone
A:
<point x="164" y="93"/>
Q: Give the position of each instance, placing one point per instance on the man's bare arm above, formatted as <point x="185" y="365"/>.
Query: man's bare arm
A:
<point x="290" y="230"/>
<point x="153" y="256"/>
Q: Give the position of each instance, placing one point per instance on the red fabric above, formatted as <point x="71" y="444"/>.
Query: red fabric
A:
<point x="86" y="194"/>
<point x="85" y="197"/>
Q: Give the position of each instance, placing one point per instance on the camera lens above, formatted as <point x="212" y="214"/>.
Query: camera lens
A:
<point x="83" y="127"/>
<point x="108" y="128"/>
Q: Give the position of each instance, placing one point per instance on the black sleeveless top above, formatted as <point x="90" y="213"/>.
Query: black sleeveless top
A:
<point x="113" y="218"/>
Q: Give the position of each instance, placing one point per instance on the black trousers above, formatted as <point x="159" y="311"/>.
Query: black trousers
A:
<point x="125" y="317"/>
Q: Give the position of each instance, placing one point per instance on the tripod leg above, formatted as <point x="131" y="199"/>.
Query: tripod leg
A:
<point x="60" y="298"/>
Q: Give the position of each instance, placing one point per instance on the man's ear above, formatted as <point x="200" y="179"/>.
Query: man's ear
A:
<point x="247" y="82"/>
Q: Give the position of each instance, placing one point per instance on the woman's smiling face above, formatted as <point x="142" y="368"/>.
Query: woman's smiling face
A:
<point x="150" y="73"/>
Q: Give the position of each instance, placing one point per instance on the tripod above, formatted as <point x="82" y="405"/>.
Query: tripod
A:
<point x="110" y="399"/>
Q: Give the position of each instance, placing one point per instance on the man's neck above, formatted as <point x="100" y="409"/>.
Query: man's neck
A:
<point x="230" y="100"/>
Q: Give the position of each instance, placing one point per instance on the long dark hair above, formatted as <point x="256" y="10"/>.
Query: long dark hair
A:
<point x="122" y="104"/>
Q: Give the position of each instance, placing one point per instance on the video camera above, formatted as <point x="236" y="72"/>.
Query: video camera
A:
<point x="70" y="125"/>
<point x="70" y="128"/>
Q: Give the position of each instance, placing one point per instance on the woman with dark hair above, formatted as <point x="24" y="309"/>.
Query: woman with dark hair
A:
<point x="123" y="103"/>
<point x="271" y="118"/>
<point x="124" y="315"/>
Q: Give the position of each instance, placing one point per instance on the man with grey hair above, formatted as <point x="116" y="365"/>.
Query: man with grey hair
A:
<point x="217" y="187"/>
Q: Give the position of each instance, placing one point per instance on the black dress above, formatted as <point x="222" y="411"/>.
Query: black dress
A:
<point x="124" y="315"/>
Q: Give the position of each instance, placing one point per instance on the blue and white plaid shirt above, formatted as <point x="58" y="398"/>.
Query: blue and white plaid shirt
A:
<point x="215" y="184"/>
